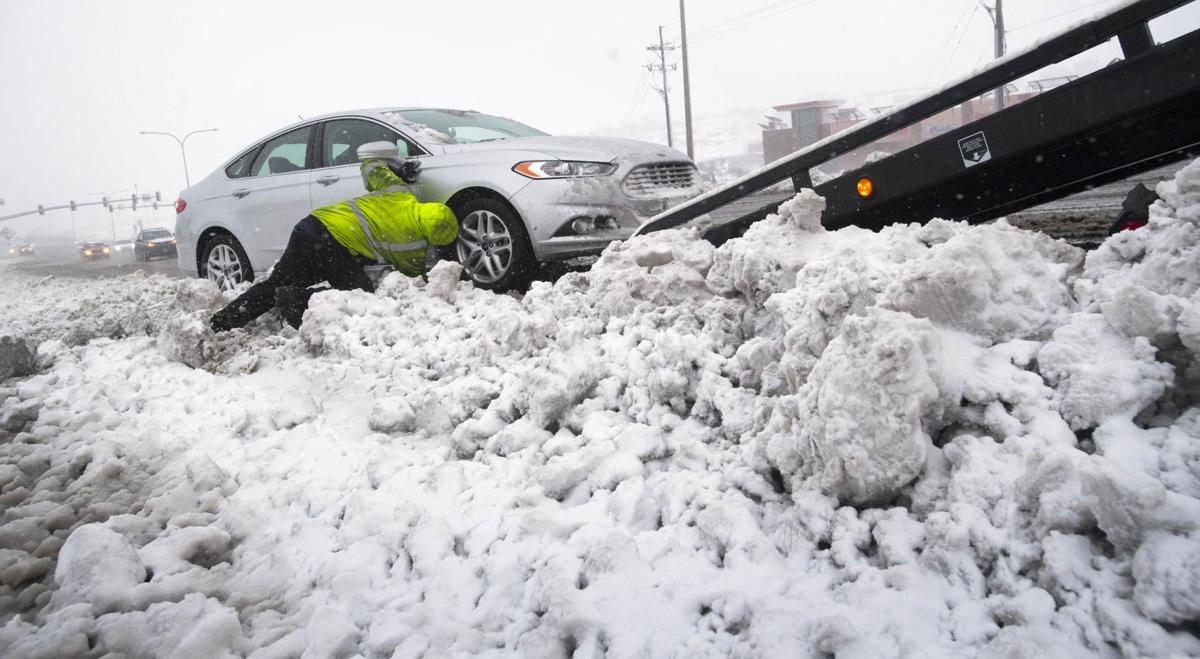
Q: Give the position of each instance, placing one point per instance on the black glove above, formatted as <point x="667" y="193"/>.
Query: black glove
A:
<point x="408" y="171"/>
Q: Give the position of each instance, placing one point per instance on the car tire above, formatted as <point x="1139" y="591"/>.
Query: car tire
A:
<point x="223" y="261"/>
<point x="493" y="245"/>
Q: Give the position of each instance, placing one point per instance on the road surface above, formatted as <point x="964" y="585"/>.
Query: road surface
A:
<point x="64" y="261"/>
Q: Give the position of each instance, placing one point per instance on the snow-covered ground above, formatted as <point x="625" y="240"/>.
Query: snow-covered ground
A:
<point x="938" y="440"/>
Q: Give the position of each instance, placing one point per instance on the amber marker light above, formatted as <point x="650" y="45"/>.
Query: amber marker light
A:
<point x="865" y="187"/>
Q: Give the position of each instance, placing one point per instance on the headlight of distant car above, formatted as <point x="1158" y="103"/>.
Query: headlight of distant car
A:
<point x="149" y="244"/>
<point x="539" y="169"/>
<point x="105" y="250"/>
<point x="87" y="252"/>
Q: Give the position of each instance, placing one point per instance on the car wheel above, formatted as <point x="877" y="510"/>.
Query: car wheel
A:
<point x="225" y="262"/>
<point x="493" y="245"/>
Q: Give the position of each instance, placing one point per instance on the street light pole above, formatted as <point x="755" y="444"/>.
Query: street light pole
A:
<point x="182" y="151"/>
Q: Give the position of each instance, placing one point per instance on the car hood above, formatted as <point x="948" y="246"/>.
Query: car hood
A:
<point x="598" y="149"/>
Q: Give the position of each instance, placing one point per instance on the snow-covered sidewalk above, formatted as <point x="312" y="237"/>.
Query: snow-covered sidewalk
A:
<point x="938" y="440"/>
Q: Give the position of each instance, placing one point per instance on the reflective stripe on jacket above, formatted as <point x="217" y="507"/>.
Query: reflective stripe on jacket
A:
<point x="389" y="225"/>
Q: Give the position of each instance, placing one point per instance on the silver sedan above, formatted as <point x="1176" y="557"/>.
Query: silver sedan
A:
<point x="522" y="197"/>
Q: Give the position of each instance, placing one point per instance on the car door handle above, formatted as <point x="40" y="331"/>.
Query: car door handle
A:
<point x="241" y="192"/>
<point x="329" y="179"/>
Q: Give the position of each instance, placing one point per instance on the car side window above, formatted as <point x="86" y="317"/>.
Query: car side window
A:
<point x="344" y="136"/>
<point x="286" y="153"/>
<point x="240" y="168"/>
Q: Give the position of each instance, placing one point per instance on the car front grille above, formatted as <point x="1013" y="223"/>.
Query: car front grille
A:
<point x="659" y="179"/>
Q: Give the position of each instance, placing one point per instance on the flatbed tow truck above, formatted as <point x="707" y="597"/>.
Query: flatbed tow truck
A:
<point x="1138" y="113"/>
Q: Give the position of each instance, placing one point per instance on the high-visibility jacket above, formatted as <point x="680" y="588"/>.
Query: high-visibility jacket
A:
<point x="389" y="225"/>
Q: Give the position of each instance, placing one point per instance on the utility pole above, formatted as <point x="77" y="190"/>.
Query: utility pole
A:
<point x="996" y="13"/>
<point x="662" y="65"/>
<point x="687" y="87"/>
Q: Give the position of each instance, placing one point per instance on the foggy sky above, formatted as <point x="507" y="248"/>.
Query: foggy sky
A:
<point x="80" y="78"/>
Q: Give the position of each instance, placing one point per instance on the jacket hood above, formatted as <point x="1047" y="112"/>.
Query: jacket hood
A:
<point x="377" y="175"/>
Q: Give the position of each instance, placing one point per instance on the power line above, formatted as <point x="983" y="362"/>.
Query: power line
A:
<point x="639" y="95"/>
<point x="727" y="30"/>
<point x="710" y="9"/>
<point x="965" y="32"/>
<point x="739" y="17"/>
<point x="1065" y="13"/>
<point x="967" y="7"/>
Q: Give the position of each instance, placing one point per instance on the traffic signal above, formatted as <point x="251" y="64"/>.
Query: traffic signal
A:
<point x="134" y="198"/>
<point x="41" y="209"/>
<point x="104" y="200"/>
<point x="72" y="205"/>
<point x="157" y="197"/>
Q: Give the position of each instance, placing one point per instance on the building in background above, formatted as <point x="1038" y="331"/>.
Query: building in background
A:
<point x="812" y="121"/>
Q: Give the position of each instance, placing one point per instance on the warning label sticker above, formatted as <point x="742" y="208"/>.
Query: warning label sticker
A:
<point x="974" y="149"/>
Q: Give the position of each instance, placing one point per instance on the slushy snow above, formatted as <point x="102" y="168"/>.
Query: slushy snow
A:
<point x="935" y="440"/>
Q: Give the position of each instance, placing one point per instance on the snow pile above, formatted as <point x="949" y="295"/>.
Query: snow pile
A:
<point x="77" y="312"/>
<point x="16" y="358"/>
<point x="939" y="440"/>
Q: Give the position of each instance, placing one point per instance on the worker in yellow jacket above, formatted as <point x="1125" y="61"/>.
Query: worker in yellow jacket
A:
<point x="387" y="226"/>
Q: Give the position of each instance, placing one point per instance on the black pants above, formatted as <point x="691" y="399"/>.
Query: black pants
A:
<point x="312" y="256"/>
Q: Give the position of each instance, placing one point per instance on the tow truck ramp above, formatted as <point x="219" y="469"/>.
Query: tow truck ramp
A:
<point x="1138" y="113"/>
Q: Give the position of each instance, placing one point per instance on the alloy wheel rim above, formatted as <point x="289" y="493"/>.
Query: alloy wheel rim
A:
<point x="485" y="246"/>
<point x="224" y="267"/>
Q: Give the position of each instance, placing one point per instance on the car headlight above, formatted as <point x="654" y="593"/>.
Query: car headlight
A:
<point x="87" y="252"/>
<point x="105" y="250"/>
<point x="149" y="244"/>
<point x="540" y="169"/>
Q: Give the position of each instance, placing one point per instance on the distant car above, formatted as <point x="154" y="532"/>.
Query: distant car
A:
<point x="123" y="246"/>
<point x="93" y="251"/>
<point x="522" y="197"/>
<point x="151" y="243"/>
<point x="23" y="250"/>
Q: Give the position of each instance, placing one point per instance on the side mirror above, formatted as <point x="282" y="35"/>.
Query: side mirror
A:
<point x="378" y="150"/>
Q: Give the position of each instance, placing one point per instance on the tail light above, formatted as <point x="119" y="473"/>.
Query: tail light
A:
<point x="180" y="205"/>
<point x="1130" y="225"/>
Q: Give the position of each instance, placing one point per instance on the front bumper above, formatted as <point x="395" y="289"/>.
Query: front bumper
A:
<point x="549" y="207"/>
<point x="161" y="251"/>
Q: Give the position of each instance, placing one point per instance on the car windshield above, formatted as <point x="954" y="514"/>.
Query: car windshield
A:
<point x="155" y="235"/>
<point x="459" y="126"/>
